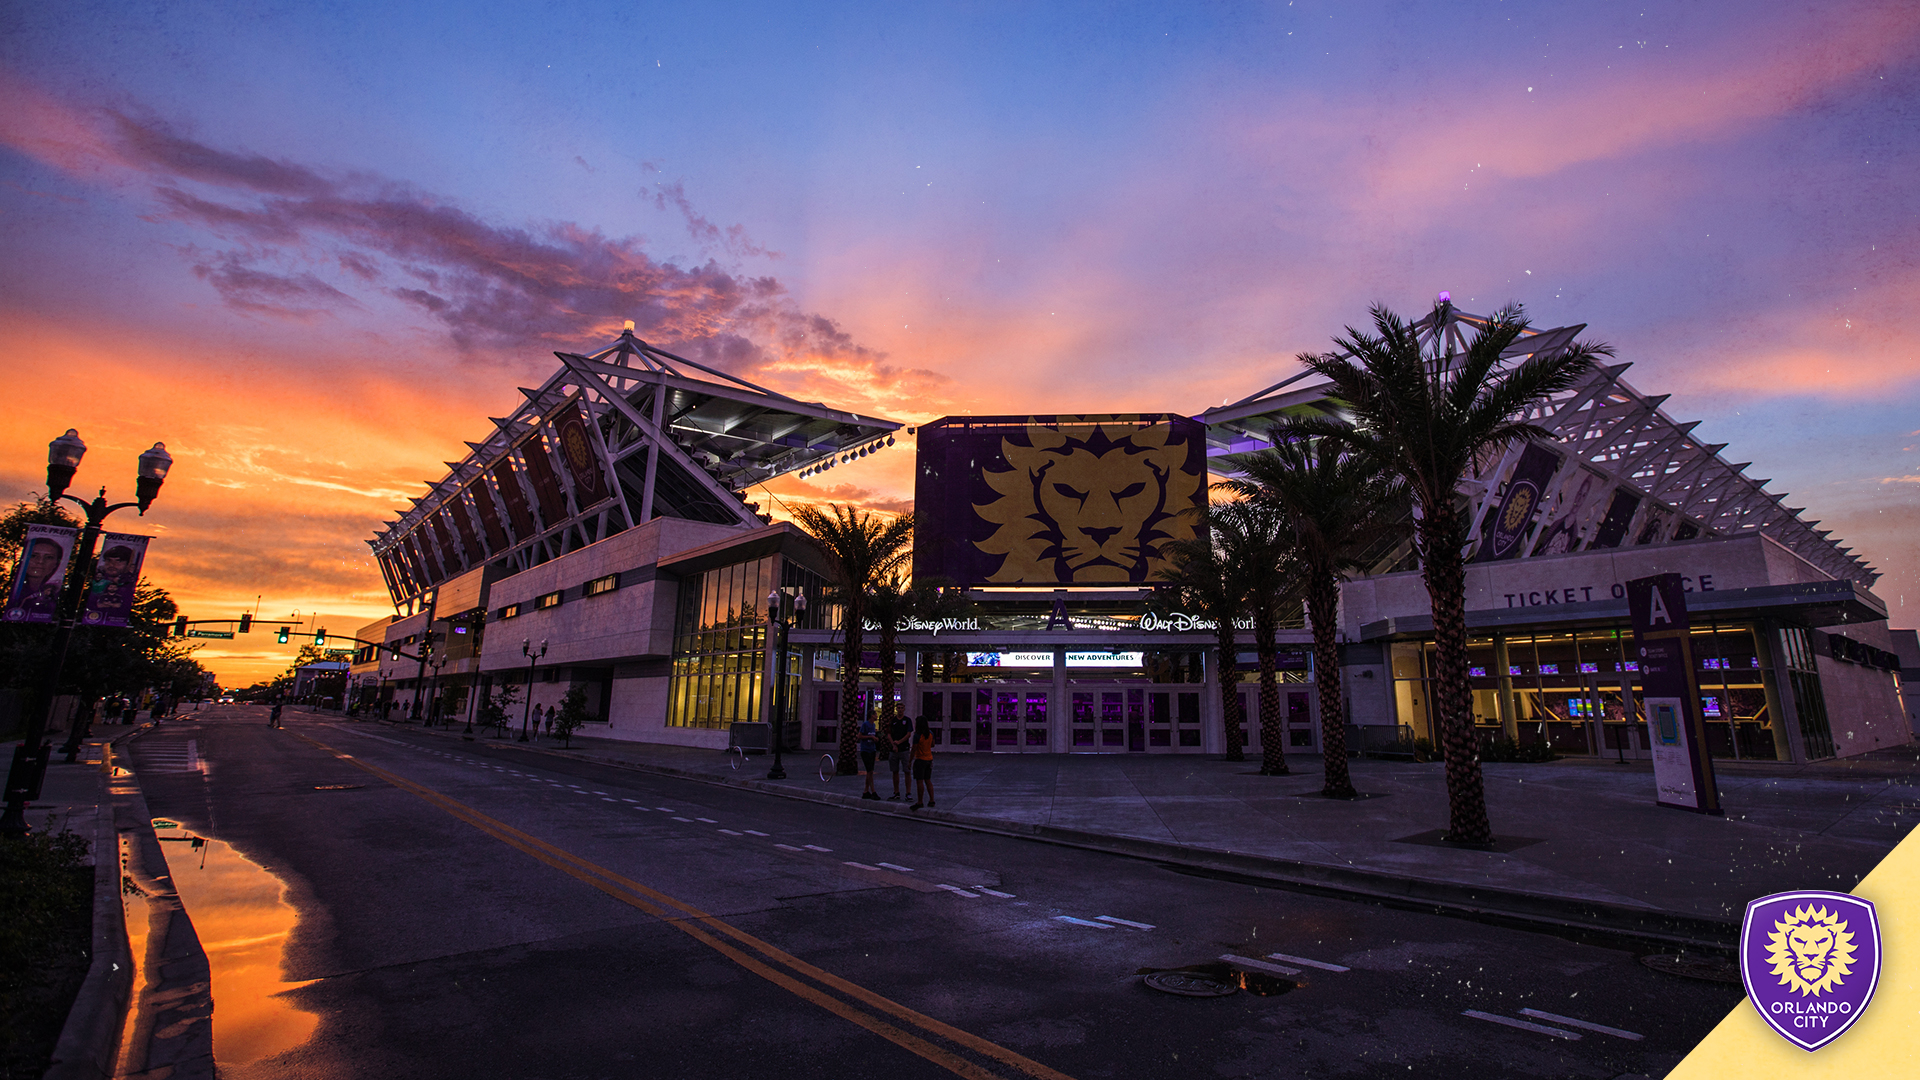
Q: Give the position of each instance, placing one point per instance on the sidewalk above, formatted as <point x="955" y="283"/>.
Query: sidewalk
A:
<point x="1578" y="841"/>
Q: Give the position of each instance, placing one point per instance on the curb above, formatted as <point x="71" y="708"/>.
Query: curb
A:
<point x="1644" y="927"/>
<point x="173" y="1012"/>
<point x="89" y="1041"/>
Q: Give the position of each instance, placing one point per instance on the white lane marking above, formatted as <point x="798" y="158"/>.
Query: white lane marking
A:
<point x="817" y="847"/>
<point x="688" y="820"/>
<point x="708" y="820"/>
<point x="642" y="809"/>
<point x="786" y="847"/>
<point x="1258" y="965"/>
<point x="958" y="891"/>
<point x="994" y="892"/>
<point x="609" y="800"/>
<point x="861" y="865"/>
<point x="1125" y="922"/>
<point x="1306" y="962"/>
<point x="755" y="832"/>
<point x="897" y="866"/>
<point x="1589" y="1025"/>
<point x="599" y="793"/>
<point x="632" y="801"/>
<point x="1082" y="922"/>
<point x="664" y="809"/>
<point x="1521" y="1024"/>
<point x="729" y="832"/>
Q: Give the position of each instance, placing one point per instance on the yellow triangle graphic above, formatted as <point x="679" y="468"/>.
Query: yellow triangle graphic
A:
<point x="1884" y="1042"/>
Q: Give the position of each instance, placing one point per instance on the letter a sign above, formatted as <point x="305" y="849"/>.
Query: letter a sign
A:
<point x="1676" y="732"/>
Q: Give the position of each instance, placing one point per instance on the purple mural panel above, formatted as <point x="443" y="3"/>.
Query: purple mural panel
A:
<point x="515" y="497"/>
<point x="546" y="485"/>
<point x="582" y="455"/>
<point x="1047" y="500"/>
<point x="489" y="515"/>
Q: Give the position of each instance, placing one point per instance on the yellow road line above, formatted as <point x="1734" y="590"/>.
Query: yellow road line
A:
<point x="695" y="923"/>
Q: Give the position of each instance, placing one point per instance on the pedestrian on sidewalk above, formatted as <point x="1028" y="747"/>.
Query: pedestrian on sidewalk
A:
<point x="867" y="741"/>
<point x="900" y="756"/>
<point x="549" y="723"/>
<point x="273" y="715"/>
<point x="922" y="763"/>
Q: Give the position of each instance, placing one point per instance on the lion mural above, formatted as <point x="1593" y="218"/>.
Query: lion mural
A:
<point x="1089" y="500"/>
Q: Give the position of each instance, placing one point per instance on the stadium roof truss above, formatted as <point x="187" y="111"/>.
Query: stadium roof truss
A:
<point x="1610" y="436"/>
<point x="608" y="441"/>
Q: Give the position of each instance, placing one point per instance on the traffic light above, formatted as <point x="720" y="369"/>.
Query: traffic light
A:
<point x="246" y="623"/>
<point x="320" y="638"/>
<point x="283" y="635"/>
<point x="180" y="626"/>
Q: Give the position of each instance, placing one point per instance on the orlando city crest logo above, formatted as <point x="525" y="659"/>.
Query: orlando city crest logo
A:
<point x="1810" y="961"/>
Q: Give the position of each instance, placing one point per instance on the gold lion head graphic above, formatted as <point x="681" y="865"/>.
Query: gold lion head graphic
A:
<point x="1089" y="500"/>
<point x="1811" y="950"/>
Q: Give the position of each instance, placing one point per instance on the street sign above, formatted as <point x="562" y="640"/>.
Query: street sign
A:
<point x="339" y="652"/>
<point x="210" y="633"/>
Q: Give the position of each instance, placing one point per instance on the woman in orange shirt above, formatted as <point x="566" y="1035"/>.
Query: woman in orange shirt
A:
<point x="922" y="763"/>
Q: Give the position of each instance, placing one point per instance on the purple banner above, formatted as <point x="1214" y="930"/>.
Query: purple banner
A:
<point x="578" y="450"/>
<point x="35" y="596"/>
<point x="110" y="594"/>
<point x="1047" y="500"/>
<point x="1521" y="501"/>
<point x="1613" y="527"/>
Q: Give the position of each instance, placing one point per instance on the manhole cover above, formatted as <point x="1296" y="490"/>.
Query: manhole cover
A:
<point x="1188" y="984"/>
<point x="1709" y="968"/>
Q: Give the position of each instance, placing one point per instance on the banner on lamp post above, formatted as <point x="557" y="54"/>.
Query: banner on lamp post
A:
<point x="44" y="554"/>
<point x="110" y="595"/>
<point x="1676" y="731"/>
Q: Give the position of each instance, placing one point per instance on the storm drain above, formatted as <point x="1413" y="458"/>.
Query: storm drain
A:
<point x="1215" y="978"/>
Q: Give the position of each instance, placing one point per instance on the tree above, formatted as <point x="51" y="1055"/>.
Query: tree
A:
<point x="496" y="709"/>
<point x="572" y="714"/>
<point x="1258" y="540"/>
<point x="861" y="550"/>
<point x="1338" y="505"/>
<point x="1428" y="419"/>
<point x="1209" y="582"/>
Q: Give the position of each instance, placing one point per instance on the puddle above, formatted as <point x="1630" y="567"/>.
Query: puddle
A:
<point x="240" y="912"/>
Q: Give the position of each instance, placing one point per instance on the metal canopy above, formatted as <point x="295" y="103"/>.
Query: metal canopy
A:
<point x="1623" y="437"/>
<point x="611" y="439"/>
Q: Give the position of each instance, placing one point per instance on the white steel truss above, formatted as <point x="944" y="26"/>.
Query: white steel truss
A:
<point x="1605" y="428"/>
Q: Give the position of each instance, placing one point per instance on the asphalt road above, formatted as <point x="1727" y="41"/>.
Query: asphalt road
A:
<point x="472" y="909"/>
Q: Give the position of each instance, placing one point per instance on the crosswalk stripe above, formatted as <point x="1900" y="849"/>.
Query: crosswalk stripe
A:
<point x="1125" y="922"/>
<point x="1521" y="1024"/>
<point x="1258" y="965"/>
<point x="1083" y="922"/>
<point x="1589" y="1025"/>
<point x="1303" y="961"/>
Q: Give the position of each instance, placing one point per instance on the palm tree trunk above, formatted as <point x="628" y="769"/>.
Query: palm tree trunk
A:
<point x="889" y="678"/>
<point x="1451" y="696"/>
<point x="849" y="694"/>
<point x="1324" y="611"/>
<point x="1230" y="716"/>
<point x="1273" y="751"/>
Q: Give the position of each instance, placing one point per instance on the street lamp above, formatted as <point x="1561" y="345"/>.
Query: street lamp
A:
<point x="435" y="661"/>
<point x="779" y="622"/>
<point x="30" y="757"/>
<point x="533" y="656"/>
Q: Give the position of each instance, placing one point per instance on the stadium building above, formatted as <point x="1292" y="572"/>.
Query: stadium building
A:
<point x="603" y="537"/>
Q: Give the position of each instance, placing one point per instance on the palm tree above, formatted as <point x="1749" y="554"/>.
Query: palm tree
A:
<point x="862" y="550"/>
<point x="1210" y="584"/>
<point x="1338" y="505"/>
<point x="1258" y="539"/>
<point x="892" y="599"/>
<point x="1428" y="419"/>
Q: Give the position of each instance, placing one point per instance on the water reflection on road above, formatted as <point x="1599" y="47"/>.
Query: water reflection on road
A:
<point x="240" y="912"/>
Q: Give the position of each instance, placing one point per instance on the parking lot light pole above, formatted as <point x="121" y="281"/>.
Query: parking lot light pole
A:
<point x="780" y="621"/>
<point x="63" y="460"/>
<point x="533" y="657"/>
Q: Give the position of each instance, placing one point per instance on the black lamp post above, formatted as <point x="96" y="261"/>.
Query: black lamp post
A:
<point x="436" y="661"/>
<point x="30" y="757"/>
<point x="533" y="656"/>
<point x="779" y="621"/>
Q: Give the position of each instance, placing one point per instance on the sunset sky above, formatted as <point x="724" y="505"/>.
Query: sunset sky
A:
<point x="313" y="247"/>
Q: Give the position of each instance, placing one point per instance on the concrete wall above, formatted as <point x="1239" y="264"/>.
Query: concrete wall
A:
<point x="635" y="620"/>
<point x="1707" y="565"/>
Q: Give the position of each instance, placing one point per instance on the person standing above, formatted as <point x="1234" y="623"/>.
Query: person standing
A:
<point x="922" y="763"/>
<point x="899" y="748"/>
<point x="867" y="741"/>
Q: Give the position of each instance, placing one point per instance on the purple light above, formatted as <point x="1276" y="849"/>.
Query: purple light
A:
<point x="1445" y="297"/>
